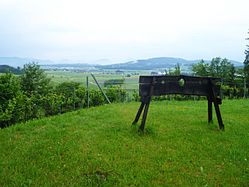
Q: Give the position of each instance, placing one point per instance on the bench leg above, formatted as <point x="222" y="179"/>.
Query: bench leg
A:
<point x="218" y="114"/>
<point x="144" y="115"/>
<point x="217" y="109"/>
<point x="138" y="113"/>
<point x="210" y="111"/>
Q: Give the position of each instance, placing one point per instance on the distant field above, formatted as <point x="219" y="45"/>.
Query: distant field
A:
<point x="100" y="147"/>
<point x="65" y="76"/>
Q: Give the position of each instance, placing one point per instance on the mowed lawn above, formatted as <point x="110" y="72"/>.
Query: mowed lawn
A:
<point x="100" y="147"/>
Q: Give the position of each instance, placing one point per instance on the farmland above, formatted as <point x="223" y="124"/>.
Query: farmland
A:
<point x="99" y="147"/>
<point x="130" y="82"/>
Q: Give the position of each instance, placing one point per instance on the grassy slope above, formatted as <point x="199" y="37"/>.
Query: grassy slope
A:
<point x="100" y="147"/>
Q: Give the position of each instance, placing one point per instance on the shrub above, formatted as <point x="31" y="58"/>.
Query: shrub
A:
<point x="96" y="98"/>
<point x="116" y="94"/>
<point x="10" y="92"/>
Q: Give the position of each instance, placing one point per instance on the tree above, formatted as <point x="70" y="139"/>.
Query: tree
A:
<point x="177" y="69"/>
<point x="227" y="71"/>
<point x="201" y="68"/>
<point x="222" y="68"/>
<point x="231" y="75"/>
<point x="9" y="86"/>
<point x="34" y="81"/>
<point x="35" y="85"/>
<point x="10" y="100"/>
<point x="215" y="68"/>
<point x="246" y="63"/>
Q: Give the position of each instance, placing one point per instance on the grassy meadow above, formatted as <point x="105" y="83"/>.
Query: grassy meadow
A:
<point x="100" y="147"/>
<point x="58" y="77"/>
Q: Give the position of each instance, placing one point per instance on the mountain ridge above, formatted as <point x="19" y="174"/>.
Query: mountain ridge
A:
<point x="157" y="63"/>
<point x="140" y="64"/>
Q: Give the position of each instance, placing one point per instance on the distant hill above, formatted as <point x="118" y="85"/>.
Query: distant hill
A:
<point x="156" y="63"/>
<point x="6" y="68"/>
<point x="236" y="63"/>
<point x="141" y="64"/>
<point x="151" y="63"/>
<point x="19" y="62"/>
<point x="71" y="67"/>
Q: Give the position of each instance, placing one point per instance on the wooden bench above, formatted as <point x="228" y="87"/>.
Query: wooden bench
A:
<point x="188" y="85"/>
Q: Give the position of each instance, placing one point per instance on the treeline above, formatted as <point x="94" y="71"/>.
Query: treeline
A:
<point x="31" y="95"/>
<point x="112" y="82"/>
<point x="9" y="69"/>
<point x="233" y="83"/>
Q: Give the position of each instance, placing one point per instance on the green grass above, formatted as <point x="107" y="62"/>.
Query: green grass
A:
<point x="58" y="77"/>
<point x="99" y="147"/>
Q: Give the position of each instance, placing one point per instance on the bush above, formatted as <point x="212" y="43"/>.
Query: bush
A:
<point x="67" y="91"/>
<point x="116" y="94"/>
<point x="52" y="103"/>
<point x="96" y="98"/>
<point x="9" y="96"/>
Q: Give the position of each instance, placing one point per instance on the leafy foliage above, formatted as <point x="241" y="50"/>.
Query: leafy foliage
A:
<point x="246" y="63"/>
<point x="10" y="91"/>
<point x="34" y="80"/>
<point x="201" y="68"/>
<point x="116" y="94"/>
<point x="9" y="69"/>
<point x="221" y="68"/>
<point x="177" y="69"/>
<point x="32" y="96"/>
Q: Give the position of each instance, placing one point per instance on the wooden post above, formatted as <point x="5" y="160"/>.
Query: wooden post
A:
<point x="101" y="89"/>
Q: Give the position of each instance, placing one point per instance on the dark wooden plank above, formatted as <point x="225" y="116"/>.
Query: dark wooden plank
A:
<point x="144" y="116"/>
<point x="170" y="85"/>
<point x="210" y="112"/>
<point x="217" y="109"/>
<point x="139" y="113"/>
<point x="218" y="114"/>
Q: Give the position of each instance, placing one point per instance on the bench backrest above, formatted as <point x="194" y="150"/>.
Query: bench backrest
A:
<point x="167" y="84"/>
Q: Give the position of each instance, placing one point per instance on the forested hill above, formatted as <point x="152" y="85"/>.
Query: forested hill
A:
<point x="155" y="63"/>
<point x="6" y="68"/>
<point x="140" y="64"/>
<point x="151" y="63"/>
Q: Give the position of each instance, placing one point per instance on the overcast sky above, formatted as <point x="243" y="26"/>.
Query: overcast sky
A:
<point x="122" y="30"/>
